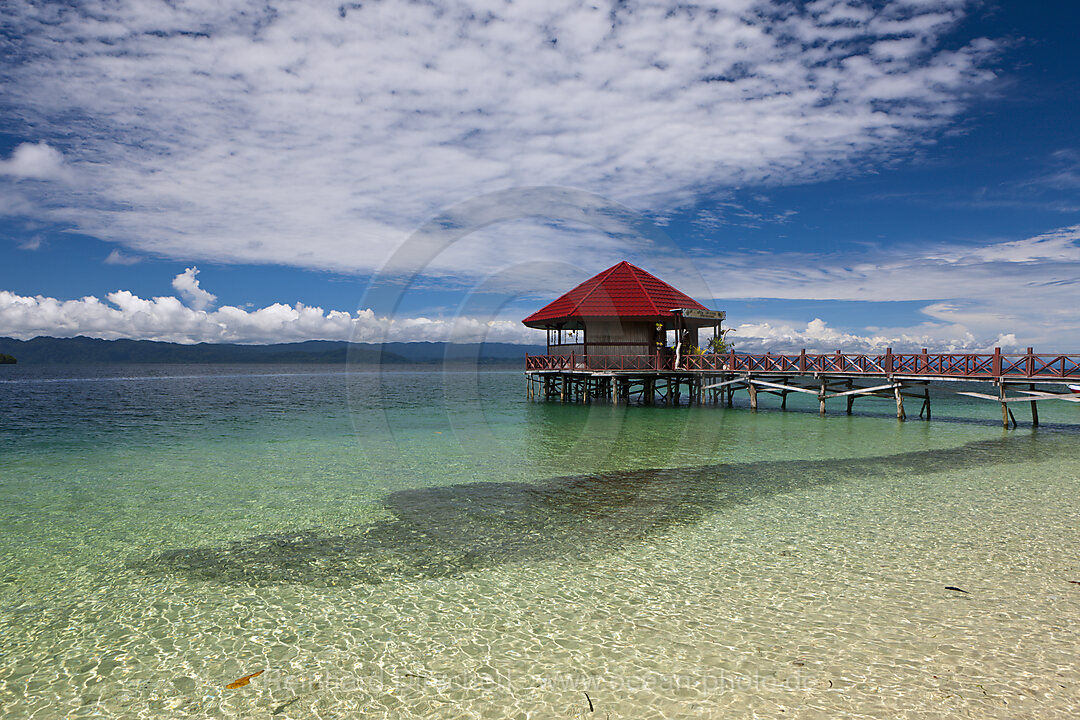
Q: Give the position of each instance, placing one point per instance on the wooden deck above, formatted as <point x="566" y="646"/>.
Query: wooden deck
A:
<point x="715" y="377"/>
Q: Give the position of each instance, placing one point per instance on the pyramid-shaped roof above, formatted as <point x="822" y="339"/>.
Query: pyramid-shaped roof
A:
<point x="621" y="291"/>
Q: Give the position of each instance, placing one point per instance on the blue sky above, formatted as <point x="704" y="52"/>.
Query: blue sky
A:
<point x="833" y="174"/>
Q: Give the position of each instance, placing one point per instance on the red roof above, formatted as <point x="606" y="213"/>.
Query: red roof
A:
<point x="623" y="290"/>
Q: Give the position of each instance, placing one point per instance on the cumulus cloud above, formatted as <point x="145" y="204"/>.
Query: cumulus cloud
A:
<point x="187" y="284"/>
<point x="319" y="135"/>
<point x="817" y="336"/>
<point x="124" y="315"/>
<point x="1028" y="288"/>
<point x="34" y="161"/>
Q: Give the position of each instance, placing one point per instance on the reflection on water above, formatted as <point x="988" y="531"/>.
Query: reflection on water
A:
<point x="443" y="531"/>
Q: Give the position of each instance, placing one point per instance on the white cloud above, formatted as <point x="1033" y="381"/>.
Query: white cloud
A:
<point x="34" y="243"/>
<point x="1027" y="288"/>
<point x="187" y="284"/>
<point x="35" y="161"/>
<point x="118" y="258"/>
<point x="125" y="315"/>
<point x="817" y="336"/>
<point x="312" y="135"/>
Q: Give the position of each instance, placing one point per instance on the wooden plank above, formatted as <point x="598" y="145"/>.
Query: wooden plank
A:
<point x="997" y="398"/>
<point x="857" y="391"/>
<point x="724" y="384"/>
<point x="782" y="387"/>
<point x="1071" y="397"/>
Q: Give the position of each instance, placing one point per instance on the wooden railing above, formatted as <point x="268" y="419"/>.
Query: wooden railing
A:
<point x="1009" y="366"/>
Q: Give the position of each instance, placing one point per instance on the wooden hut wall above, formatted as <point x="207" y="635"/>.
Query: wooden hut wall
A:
<point x="607" y="338"/>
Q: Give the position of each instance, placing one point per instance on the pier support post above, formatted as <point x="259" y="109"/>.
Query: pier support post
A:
<point x="850" y="398"/>
<point x="1004" y="405"/>
<point x="752" y="389"/>
<point x="900" y="414"/>
<point x="1034" y="405"/>
<point x="821" y="397"/>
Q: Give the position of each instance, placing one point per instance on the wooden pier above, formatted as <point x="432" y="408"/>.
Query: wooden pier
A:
<point x="714" y="378"/>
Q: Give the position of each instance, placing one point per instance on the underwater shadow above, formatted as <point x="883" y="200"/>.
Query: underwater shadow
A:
<point x="443" y="531"/>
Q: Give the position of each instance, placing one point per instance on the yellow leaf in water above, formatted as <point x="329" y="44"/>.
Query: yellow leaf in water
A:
<point x="243" y="681"/>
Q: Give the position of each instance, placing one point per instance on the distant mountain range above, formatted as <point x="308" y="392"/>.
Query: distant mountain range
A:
<point x="84" y="350"/>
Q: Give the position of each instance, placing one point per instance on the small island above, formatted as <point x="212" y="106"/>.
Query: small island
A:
<point x="7" y="359"/>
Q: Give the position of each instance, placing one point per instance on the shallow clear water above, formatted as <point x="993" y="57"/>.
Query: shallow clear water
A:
<point x="429" y="544"/>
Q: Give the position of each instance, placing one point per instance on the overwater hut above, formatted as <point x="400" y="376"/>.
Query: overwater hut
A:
<point x="619" y="320"/>
<point x="607" y="338"/>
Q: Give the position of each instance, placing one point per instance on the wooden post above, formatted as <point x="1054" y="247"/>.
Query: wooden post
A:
<point x="783" y="400"/>
<point x="821" y="397"/>
<point x="899" y="404"/>
<point x="996" y="367"/>
<point x="1031" y="363"/>
<point x="802" y="360"/>
<point x="926" y="403"/>
<point x="850" y="398"/>
<point x="1004" y="405"/>
<point x="924" y="362"/>
<point x="752" y="389"/>
<point x="1034" y="404"/>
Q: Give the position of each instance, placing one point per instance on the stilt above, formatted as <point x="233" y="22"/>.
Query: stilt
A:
<point x="1034" y="408"/>
<point x="827" y="377"/>
<point x="1004" y="406"/>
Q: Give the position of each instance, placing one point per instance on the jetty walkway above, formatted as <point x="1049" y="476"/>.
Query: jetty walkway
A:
<point x="662" y="377"/>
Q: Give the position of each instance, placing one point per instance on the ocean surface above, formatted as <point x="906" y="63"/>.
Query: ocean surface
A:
<point x="393" y="543"/>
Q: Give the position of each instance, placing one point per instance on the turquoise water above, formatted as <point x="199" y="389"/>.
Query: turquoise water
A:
<point x="430" y="544"/>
